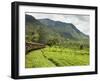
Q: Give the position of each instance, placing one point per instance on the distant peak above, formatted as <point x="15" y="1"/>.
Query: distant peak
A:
<point x="29" y="16"/>
<point x="46" y="19"/>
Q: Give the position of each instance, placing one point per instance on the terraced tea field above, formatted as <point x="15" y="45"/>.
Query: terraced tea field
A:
<point x="56" y="57"/>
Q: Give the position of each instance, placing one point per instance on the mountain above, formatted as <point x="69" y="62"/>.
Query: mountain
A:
<point x="43" y="30"/>
<point x="37" y="32"/>
<point x="67" y="30"/>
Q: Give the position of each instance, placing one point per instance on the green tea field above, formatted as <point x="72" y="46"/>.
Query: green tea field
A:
<point x="56" y="57"/>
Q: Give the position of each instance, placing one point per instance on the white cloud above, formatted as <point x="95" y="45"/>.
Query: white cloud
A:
<point x="82" y="22"/>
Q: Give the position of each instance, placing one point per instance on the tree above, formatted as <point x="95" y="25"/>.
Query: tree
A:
<point x="42" y="35"/>
<point x="81" y="47"/>
<point x="52" y="42"/>
<point x="35" y="37"/>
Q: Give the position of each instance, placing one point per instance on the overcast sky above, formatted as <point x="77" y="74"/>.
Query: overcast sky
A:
<point x="82" y="22"/>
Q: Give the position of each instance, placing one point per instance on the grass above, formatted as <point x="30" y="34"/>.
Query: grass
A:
<point x="57" y="57"/>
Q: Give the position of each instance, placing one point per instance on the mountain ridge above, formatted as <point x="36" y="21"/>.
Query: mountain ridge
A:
<point x="52" y="23"/>
<point x="47" y="29"/>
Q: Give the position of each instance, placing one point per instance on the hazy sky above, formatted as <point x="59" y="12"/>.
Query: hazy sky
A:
<point x="82" y="22"/>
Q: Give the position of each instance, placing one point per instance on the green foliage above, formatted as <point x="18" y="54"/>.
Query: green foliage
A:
<point x="52" y="42"/>
<point x="35" y="37"/>
<point x="36" y="59"/>
<point x="56" y="56"/>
